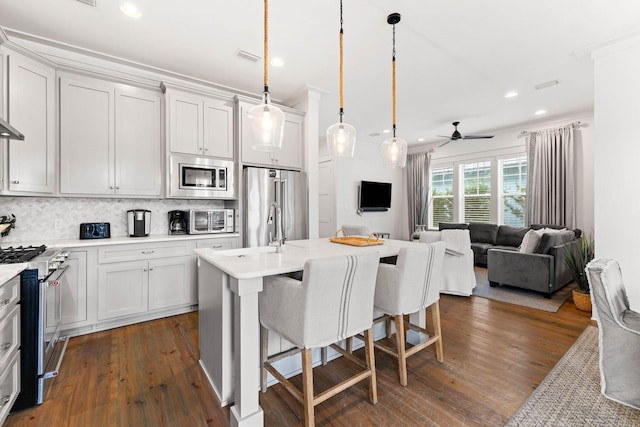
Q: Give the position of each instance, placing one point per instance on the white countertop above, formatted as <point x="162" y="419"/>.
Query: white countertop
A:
<point x="155" y="238"/>
<point x="246" y="263"/>
<point x="7" y="271"/>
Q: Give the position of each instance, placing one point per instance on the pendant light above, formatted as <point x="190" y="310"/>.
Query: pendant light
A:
<point x="394" y="150"/>
<point x="266" y="120"/>
<point x="341" y="137"/>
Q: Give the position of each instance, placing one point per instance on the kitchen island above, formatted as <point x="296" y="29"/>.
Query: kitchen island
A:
<point x="229" y="283"/>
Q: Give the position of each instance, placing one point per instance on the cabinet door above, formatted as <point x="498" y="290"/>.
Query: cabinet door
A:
<point x="184" y="116"/>
<point x="31" y="111"/>
<point x="290" y="155"/>
<point x="218" y="128"/>
<point x="122" y="289"/>
<point x="86" y="137"/>
<point x="74" y="291"/>
<point x="170" y="283"/>
<point x="249" y="155"/>
<point x="137" y="142"/>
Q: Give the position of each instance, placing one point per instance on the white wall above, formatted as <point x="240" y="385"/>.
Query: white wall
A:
<point x="510" y="141"/>
<point x="617" y="154"/>
<point x="367" y="165"/>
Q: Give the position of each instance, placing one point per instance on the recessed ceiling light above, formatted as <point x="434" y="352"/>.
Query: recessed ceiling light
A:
<point x="276" y="62"/>
<point x="420" y="139"/>
<point x="511" y="94"/>
<point x="386" y="131"/>
<point x="131" y="10"/>
<point x="540" y="112"/>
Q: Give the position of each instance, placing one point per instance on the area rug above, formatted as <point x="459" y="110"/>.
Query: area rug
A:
<point x="523" y="297"/>
<point x="570" y="394"/>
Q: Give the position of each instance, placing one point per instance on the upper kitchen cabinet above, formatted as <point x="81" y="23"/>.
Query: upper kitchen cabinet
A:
<point x="289" y="156"/>
<point x="109" y="139"/>
<point x="199" y="125"/>
<point x="31" y="110"/>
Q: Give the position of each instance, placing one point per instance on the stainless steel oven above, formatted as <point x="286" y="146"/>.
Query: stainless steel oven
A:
<point x="201" y="177"/>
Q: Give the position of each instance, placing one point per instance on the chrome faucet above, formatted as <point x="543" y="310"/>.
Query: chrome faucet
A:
<point x="274" y="210"/>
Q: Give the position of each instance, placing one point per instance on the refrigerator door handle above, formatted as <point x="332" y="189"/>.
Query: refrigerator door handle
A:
<point x="283" y="205"/>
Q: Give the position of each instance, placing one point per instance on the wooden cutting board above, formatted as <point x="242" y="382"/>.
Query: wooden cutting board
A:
<point x="357" y="241"/>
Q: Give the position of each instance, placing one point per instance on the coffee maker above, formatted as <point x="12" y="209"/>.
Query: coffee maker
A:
<point x="139" y="221"/>
<point x="177" y="222"/>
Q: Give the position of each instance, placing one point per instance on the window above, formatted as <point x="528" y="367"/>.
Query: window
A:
<point x="442" y="195"/>
<point x="514" y="190"/>
<point x="477" y="192"/>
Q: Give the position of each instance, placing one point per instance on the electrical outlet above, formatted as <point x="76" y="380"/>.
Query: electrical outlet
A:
<point x="57" y="223"/>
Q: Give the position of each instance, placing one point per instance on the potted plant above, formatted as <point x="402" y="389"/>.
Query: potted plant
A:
<point x="7" y="222"/>
<point x="576" y="259"/>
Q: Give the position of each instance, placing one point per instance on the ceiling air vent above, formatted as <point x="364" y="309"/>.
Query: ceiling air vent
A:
<point x="248" y="55"/>
<point x="92" y="3"/>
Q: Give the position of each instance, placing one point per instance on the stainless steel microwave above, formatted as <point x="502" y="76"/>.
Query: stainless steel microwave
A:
<point x="200" y="177"/>
<point x="201" y="221"/>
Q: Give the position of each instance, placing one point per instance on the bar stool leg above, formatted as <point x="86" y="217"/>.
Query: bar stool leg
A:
<point x="307" y="388"/>
<point x="437" y="330"/>
<point x="400" y="342"/>
<point x="371" y="364"/>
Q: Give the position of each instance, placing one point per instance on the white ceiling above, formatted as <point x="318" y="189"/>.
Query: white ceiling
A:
<point x="456" y="59"/>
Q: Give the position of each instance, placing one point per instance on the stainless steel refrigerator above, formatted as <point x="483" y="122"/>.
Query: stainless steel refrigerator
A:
<point x="288" y="189"/>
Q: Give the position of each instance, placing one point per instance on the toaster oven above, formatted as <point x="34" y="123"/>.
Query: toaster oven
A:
<point x="202" y="221"/>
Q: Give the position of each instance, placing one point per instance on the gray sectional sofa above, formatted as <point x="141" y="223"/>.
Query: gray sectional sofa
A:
<point x="541" y="268"/>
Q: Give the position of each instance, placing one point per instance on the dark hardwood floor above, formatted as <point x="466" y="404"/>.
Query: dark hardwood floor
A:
<point x="148" y="375"/>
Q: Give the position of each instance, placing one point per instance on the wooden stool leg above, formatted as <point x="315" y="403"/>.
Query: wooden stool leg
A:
<point x="264" y="347"/>
<point x="307" y="387"/>
<point x="387" y="322"/>
<point x="435" y="313"/>
<point x="400" y="342"/>
<point x="323" y="355"/>
<point x="371" y="364"/>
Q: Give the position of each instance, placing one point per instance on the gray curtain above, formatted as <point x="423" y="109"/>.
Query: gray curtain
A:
<point x="550" y="177"/>
<point x="418" y="188"/>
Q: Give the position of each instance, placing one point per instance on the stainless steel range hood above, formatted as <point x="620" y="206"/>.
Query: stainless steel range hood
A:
<point x="8" y="131"/>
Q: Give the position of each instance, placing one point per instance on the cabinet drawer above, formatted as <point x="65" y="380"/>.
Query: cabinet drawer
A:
<point x="142" y="252"/>
<point x="9" y="335"/>
<point x="9" y="295"/>
<point x="219" y="244"/>
<point x="9" y="386"/>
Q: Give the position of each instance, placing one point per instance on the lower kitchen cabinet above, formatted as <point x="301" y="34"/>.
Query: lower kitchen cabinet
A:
<point x="134" y="287"/>
<point x="218" y="244"/>
<point x="74" y="291"/>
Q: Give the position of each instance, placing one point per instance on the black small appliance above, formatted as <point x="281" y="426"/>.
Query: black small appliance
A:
<point x="95" y="230"/>
<point x="139" y="222"/>
<point x="177" y="222"/>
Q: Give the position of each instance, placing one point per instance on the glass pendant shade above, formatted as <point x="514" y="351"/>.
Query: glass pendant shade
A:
<point x="267" y="126"/>
<point x="341" y="140"/>
<point x="394" y="153"/>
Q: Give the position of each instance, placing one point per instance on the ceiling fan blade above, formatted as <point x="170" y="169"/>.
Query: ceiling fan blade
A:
<point x="446" y="142"/>
<point x="477" y="136"/>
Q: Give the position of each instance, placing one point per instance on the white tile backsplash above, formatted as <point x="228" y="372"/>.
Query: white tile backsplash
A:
<point x="36" y="216"/>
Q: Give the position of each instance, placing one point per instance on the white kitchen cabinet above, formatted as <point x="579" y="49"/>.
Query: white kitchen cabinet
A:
<point x="31" y="110"/>
<point x="170" y="283"/>
<point x="10" y="345"/>
<point x="123" y="289"/>
<point x="109" y="139"/>
<point x="74" y="291"/>
<point x="289" y="156"/>
<point x="199" y="125"/>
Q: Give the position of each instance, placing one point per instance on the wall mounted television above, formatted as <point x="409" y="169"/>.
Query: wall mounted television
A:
<point x="375" y="196"/>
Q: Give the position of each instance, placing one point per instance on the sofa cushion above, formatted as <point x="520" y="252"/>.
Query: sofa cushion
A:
<point x="483" y="233"/>
<point x="510" y="236"/>
<point x="481" y="248"/>
<point x="505" y="248"/>
<point x="531" y="241"/>
<point x="549" y="240"/>
<point x="453" y="226"/>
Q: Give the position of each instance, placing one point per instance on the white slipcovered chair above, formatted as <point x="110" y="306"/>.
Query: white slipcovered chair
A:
<point x="619" y="333"/>
<point x="333" y="301"/>
<point x="458" y="274"/>
<point x="412" y="284"/>
<point x="355" y="230"/>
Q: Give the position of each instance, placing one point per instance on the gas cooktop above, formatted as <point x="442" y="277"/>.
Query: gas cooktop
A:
<point x="18" y="254"/>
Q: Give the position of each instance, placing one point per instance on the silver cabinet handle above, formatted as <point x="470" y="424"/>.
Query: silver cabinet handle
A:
<point x="6" y="346"/>
<point x="16" y="182"/>
<point x="4" y="400"/>
<point x="4" y="302"/>
<point x="206" y="149"/>
<point x="216" y="246"/>
<point x="117" y="188"/>
<point x="147" y="252"/>
<point x="150" y="269"/>
<point x="145" y="269"/>
<point x="111" y="187"/>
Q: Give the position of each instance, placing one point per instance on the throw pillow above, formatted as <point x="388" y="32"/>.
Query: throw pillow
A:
<point x="530" y="241"/>
<point x="549" y="240"/>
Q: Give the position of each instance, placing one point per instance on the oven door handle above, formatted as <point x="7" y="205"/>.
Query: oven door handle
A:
<point x="55" y="372"/>
<point x="55" y="276"/>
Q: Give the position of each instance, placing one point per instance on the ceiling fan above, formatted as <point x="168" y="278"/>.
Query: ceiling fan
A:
<point x="456" y="135"/>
